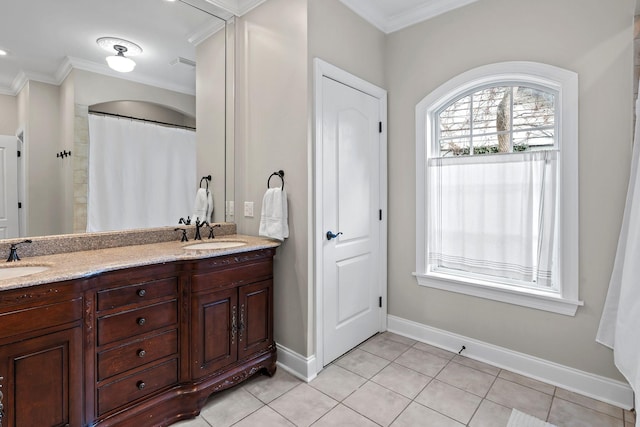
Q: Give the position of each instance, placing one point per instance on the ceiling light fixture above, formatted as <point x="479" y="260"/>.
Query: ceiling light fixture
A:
<point x="3" y="52"/>
<point x="119" y="62"/>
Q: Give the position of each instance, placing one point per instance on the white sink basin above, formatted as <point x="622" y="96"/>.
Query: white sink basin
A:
<point x="218" y="244"/>
<point x="13" y="271"/>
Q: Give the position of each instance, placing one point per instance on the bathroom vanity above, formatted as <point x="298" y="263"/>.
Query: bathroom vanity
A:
<point x="134" y="336"/>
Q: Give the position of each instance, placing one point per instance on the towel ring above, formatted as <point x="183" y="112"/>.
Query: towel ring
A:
<point x="279" y="174"/>
<point x="206" y="179"/>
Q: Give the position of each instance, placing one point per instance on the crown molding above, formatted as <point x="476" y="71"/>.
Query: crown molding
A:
<point x="205" y="31"/>
<point x="389" y="23"/>
<point x="236" y="7"/>
<point x="93" y="67"/>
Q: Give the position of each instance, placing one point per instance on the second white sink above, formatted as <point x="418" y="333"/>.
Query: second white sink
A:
<point x="218" y="244"/>
<point x="11" y="271"/>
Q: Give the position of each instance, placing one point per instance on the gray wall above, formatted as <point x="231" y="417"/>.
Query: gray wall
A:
<point x="594" y="39"/>
<point x="8" y="115"/>
<point x="271" y="134"/>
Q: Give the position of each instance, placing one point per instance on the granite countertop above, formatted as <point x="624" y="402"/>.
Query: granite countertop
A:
<point x="82" y="264"/>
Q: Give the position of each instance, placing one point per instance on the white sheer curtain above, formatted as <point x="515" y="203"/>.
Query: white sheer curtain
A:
<point x="621" y="314"/>
<point x="140" y="174"/>
<point x="494" y="215"/>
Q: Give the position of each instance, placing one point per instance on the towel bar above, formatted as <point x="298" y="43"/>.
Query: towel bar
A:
<point x="279" y="174"/>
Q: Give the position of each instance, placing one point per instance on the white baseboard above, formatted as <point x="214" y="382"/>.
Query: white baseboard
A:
<point x="296" y="364"/>
<point x="604" y="389"/>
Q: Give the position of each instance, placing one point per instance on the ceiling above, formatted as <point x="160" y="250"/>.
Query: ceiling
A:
<point x="46" y="38"/>
<point x="394" y="15"/>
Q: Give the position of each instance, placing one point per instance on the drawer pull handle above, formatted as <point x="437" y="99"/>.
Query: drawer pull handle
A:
<point x="140" y="385"/>
<point x="141" y="292"/>
<point x="141" y="321"/>
<point x="142" y="353"/>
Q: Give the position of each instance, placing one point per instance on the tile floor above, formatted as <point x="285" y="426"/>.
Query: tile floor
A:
<point x="391" y="380"/>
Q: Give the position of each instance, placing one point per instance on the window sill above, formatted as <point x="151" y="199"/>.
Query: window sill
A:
<point x="531" y="298"/>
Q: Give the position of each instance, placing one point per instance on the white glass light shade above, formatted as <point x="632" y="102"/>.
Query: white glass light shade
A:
<point x="121" y="63"/>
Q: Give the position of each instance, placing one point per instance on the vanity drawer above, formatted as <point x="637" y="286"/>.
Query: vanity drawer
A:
<point x="137" y="293"/>
<point x="239" y="275"/>
<point x="136" y="353"/>
<point x="136" y="386"/>
<point x="135" y="322"/>
<point x="35" y="318"/>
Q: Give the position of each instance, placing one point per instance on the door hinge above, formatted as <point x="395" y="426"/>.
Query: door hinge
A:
<point x="19" y="154"/>
<point x="380" y="302"/>
<point x="19" y="205"/>
<point x="380" y="127"/>
<point x="380" y="214"/>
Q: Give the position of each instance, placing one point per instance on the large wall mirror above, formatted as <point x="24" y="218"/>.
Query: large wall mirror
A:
<point x="55" y="76"/>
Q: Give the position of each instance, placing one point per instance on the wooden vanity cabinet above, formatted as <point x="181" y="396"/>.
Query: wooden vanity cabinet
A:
<point x="231" y="314"/>
<point x="136" y="330"/>
<point x="139" y="347"/>
<point x="41" y="356"/>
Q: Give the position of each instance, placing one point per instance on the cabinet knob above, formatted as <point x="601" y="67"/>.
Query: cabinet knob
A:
<point x="142" y="353"/>
<point x="141" y="321"/>
<point x="140" y="385"/>
<point x="141" y="292"/>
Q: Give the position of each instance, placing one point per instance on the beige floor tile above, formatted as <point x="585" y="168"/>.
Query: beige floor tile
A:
<point x="445" y="354"/>
<point x="587" y="402"/>
<point x="337" y="382"/>
<point x="195" y="422"/>
<point x="426" y="363"/>
<point x="519" y="397"/>
<point x="269" y="388"/>
<point x="344" y="417"/>
<point x="303" y="405"/>
<point x="475" y="364"/>
<point x="490" y="414"/>
<point x="362" y="363"/>
<point x="527" y="382"/>
<point x="402" y="380"/>
<point x="265" y="417"/>
<point x="227" y="408"/>
<point x="384" y="347"/>
<point x="377" y="403"/>
<point x="418" y="415"/>
<point x="568" y="414"/>
<point x="450" y="401"/>
<point x="399" y="338"/>
<point x="466" y="378"/>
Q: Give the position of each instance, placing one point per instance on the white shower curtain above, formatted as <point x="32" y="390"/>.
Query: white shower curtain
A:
<point x="140" y="174"/>
<point x="621" y="314"/>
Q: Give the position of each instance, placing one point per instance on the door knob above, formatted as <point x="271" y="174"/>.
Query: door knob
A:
<point x="330" y="235"/>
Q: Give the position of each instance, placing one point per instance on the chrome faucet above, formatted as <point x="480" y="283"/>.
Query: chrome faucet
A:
<point x="13" y="251"/>
<point x="198" y="226"/>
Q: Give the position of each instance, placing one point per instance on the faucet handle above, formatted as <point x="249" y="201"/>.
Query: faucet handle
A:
<point x="13" y="251"/>
<point x="184" y="234"/>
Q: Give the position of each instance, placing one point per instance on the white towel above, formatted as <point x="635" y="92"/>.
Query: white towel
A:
<point x="209" y="215"/>
<point x="274" y="218"/>
<point x="200" y="205"/>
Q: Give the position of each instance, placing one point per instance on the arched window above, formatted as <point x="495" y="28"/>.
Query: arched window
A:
<point x="497" y="186"/>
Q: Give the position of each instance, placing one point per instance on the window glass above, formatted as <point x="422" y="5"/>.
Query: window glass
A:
<point x="497" y="119"/>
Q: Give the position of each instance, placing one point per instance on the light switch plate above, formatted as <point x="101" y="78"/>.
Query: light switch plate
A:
<point x="248" y="209"/>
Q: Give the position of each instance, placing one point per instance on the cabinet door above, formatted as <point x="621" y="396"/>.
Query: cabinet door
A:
<point x="42" y="380"/>
<point x="255" y="325"/>
<point x="214" y="331"/>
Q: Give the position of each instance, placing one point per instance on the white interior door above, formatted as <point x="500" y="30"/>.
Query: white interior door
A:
<point x="351" y="204"/>
<point x="8" y="187"/>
